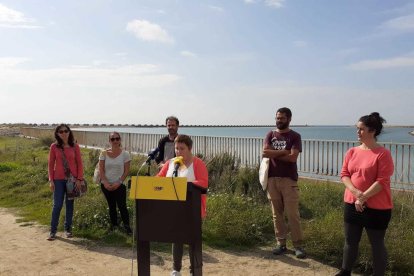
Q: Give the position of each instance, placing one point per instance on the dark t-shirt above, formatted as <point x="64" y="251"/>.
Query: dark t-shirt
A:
<point x="166" y="147"/>
<point x="283" y="141"/>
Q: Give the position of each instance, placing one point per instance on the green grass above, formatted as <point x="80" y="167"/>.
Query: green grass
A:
<point x="236" y="221"/>
<point x="238" y="218"/>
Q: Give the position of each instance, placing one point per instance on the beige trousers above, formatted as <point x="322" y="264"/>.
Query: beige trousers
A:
<point x="283" y="193"/>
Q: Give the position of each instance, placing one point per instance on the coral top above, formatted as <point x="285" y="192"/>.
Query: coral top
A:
<point x="200" y="178"/>
<point x="364" y="168"/>
<point x="56" y="167"/>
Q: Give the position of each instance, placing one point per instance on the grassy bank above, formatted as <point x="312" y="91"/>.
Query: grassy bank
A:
<point x="238" y="213"/>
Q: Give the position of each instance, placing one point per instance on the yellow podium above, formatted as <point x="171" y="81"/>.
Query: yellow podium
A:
<point x="167" y="209"/>
<point x="160" y="188"/>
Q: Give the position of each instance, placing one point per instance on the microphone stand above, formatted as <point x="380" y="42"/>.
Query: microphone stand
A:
<point x="148" y="173"/>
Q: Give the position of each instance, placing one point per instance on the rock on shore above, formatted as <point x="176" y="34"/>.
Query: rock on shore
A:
<point x="9" y="131"/>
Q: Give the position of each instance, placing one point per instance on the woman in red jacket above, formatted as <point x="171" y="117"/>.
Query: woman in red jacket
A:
<point x="366" y="174"/>
<point x="64" y="159"/>
<point x="196" y="172"/>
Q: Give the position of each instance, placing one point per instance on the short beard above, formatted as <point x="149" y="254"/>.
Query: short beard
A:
<point x="282" y="126"/>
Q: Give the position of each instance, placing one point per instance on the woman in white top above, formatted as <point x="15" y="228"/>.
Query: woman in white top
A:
<point x="114" y="168"/>
<point x="196" y="172"/>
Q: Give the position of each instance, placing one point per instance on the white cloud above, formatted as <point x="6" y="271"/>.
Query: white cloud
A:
<point x="383" y="64"/>
<point x="270" y="3"/>
<point x="11" y="61"/>
<point x="121" y="54"/>
<point x="10" y="18"/>
<point x="216" y="8"/>
<point x="188" y="54"/>
<point x="403" y="23"/>
<point x="300" y="43"/>
<point x="99" y="62"/>
<point x="148" y="31"/>
<point x="274" y="3"/>
<point x="136" y="76"/>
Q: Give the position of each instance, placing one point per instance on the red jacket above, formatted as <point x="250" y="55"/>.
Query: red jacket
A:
<point x="201" y="176"/>
<point x="73" y="156"/>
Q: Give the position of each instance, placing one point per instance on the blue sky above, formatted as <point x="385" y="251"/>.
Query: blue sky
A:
<point x="207" y="62"/>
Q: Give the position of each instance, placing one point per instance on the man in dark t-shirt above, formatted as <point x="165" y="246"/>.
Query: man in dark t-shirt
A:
<point x="166" y="143"/>
<point x="282" y="146"/>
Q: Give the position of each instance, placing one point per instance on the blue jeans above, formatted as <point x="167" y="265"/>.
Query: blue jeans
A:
<point x="58" y="195"/>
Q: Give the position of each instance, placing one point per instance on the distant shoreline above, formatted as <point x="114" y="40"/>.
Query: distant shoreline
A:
<point x="193" y="126"/>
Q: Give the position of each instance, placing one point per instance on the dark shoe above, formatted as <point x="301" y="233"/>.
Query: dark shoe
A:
<point x="128" y="231"/>
<point x="300" y="253"/>
<point x="280" y="249"/>
<point x="343" y="272"/>
<point x="51" y="237"/>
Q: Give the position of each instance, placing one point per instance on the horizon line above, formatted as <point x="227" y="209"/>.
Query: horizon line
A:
<point x="88" y="125"/>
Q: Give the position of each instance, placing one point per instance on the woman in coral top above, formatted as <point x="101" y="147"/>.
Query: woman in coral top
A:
<point x="196" y="172"/>
<point x="64" y="148"/>
<point x="366" y="174"/>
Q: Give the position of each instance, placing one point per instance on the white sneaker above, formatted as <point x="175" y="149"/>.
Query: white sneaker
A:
<point x="175" y="273"/>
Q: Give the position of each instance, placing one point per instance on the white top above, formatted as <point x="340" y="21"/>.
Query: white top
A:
<point x="114" y="167"/>
<point x="183" y="171"/>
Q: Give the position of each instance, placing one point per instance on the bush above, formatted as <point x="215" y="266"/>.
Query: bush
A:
<point x="137" y="164"/>
<point x="8" y="166"/>
<point x="222" y="173"/>
<point x="249" y="184"/>
<point x="236" y="220"/>
<point x="46" y="141"/>
<point x="91" y="211"/>
<point x="90" y="162"/>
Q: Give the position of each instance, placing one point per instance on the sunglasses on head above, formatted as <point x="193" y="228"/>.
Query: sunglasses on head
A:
<point x="63" y="131"/>
<point x="115" y="139"/>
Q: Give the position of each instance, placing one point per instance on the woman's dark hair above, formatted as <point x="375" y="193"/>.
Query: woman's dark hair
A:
<point x="373" y="122"/>
<point x="172" y="118"/>
<point x="185" y="139"/>
<point x="59" y="141"/>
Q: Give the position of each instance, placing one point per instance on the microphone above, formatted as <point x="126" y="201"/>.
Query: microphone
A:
<point x="178" y="161"/>
<point x="151" y="154"/>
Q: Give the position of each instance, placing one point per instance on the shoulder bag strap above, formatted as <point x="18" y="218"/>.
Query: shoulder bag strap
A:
<point x="65" y="163"/>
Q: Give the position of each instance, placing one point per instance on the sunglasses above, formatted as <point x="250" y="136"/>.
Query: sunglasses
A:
<point x="115" y="139"/>
<point x="63" y="131"/>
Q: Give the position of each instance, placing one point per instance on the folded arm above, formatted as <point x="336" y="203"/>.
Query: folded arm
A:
<point x="292" y="156"/>
<point x="272" y="153"/>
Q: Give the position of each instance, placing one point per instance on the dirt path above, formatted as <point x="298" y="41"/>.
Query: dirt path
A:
<point x="24" y="250"/>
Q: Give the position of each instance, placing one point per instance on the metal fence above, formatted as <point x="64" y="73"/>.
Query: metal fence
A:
<point x="320" y="159"/>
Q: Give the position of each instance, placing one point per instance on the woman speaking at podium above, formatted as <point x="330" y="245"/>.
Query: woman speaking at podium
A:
<point x="192" y="167"/>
